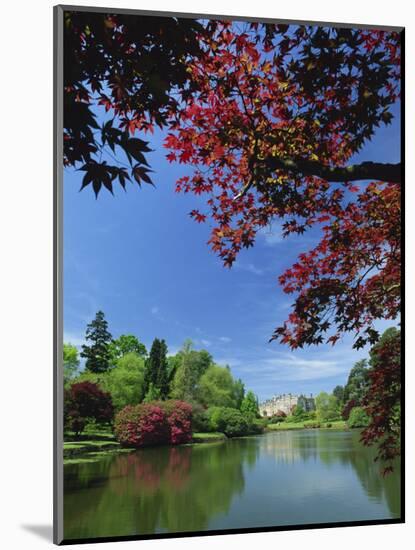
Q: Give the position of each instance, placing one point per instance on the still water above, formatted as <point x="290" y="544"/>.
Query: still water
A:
<point x="283" y="478"/>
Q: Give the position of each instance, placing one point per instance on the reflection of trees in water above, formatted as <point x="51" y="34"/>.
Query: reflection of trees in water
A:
<point x="291" y="446"/>
<point x="347" y="449"/>
<point x="170" y="488"/>
<point x="369" y="473"/>
<point x="334" y="447"/>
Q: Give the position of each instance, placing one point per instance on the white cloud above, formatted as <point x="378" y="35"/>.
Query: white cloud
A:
<point x="172" y="350"/>
<point x="290" y="367"/>
<point x="155" y="310"/>
<point x="74" y="339"/>
<point x="251" y="268"/>
<point x="272" y="233"/>
<point x="206" y="343"/>
<point x="225" y="339"/>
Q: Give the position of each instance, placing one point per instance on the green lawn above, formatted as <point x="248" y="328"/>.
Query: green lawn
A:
<point x="90" y="441"/>
<point x="93" y="444"/>
<point x="286" y="426"/>
<point x="334" y="425"/>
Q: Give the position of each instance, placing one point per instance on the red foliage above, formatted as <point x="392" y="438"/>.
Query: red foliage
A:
<point x="250" y="110"/>
<point x="383" y="399"/>
<point x="86" y="401"/>
<point x="154" y="424"/>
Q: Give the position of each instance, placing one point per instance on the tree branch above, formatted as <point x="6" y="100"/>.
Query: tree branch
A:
<point x="364" y="171"/>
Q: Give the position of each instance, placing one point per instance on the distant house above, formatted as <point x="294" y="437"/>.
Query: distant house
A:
<point x="285" y="403"/>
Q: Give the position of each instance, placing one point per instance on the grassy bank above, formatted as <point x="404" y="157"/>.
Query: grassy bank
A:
<point x="208" y="437"/>
<point x="93" y="445"/>
<point x="335" y="425"/>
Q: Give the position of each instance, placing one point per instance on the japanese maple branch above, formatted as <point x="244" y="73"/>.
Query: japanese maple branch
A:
<point x="363" y="171"/>
<point x="355" y="172"/>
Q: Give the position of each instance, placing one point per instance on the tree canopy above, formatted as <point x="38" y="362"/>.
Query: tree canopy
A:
<point x="269" y="116"/>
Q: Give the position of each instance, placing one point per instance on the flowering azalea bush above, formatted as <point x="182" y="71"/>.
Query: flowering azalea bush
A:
<point x="179" y="418"/>
<point x="156" y="423"/>
<point x="141" y="425"/>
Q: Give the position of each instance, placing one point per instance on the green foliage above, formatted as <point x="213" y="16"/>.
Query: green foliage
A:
<point x="153" y="394"/>
<point x="238" y="392"/>
<point x="189" y="365"/>
<point x="156" y="369"/>
<point x="249" y="404"/>
<point x="358" y="418"/>
<point x="200" y="419"/>
<point x="298" y="414"/>
<point x="338" y="393"/>
<point x="326" y="407"/>
<point x="229" y="421"/>
<point x="357" y="382"/>
<point x="217" y="387"/>
<point x="126" y="343"/>
<point x="125" y="382"/>
<point x="70" y="362"/>
<point x="97" y="354"/>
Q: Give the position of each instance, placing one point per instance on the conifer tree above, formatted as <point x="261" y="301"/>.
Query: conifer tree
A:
<point x="156" y="370"/>
<point x="97" y="354"/>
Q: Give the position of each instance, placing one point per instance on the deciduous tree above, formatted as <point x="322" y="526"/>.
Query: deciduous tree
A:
<point x="70" y="362"/>
<point x="382" y="401"/>
<point x="126" y="343"/>
<point x="249" y="404"/>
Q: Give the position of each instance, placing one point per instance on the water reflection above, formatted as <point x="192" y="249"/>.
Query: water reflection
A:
<point x="276" y="479"/>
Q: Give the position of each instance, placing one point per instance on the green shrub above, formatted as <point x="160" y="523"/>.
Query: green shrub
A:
<point x="358" y="418"/>
<point x="200" y="419"/>
<point x="255" y="425"/>
<point x="227" y="420"/>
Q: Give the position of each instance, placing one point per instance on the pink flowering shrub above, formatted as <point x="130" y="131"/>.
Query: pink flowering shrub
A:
<point x="141" y="425"/>
<point x="156" y="423"/>
<point x="179" y="418"/>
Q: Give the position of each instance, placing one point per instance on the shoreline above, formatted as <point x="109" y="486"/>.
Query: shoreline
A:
<point x="103" y="444"/>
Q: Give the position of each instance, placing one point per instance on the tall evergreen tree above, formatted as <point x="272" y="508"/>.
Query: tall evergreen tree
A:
<point x="156" y="369"/>
<point x="97" y="354"/>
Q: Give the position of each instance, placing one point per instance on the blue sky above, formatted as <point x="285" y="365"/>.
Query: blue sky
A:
<point x="140" y="258"/>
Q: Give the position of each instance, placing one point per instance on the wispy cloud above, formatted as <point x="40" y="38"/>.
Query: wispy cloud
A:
<point x="206" y="343"/>
<point x="272" y="234"/>
<point x="225" y="339"/>
<point x="276" y="367"/>
<point x="76" y="340"/>
<point x="250" y="267"/>
<point x="172" y="350"/>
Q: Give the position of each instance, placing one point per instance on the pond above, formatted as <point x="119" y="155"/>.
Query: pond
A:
<point x="277" y="479"/>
